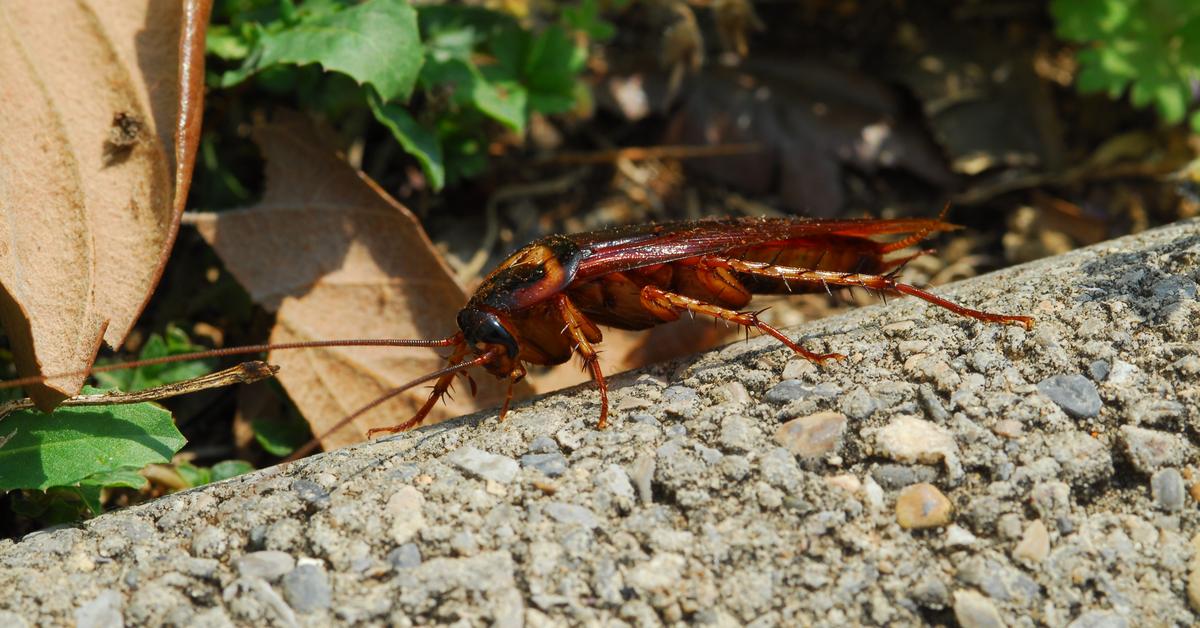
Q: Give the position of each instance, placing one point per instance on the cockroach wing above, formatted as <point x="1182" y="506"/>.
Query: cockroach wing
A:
<point x="626" y="248"/>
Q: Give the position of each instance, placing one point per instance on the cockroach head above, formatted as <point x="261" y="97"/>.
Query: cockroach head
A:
<point x="481" y="327"/>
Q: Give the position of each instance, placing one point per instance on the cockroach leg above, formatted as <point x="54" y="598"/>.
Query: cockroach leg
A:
<point x="440" y="389"/>
<point x="870" y="282"/>
<point x="891" y="266"/>
<point x="591" y="359"/>
<point x="920" y="234"/>
<point x="667" y="306"/>
<point x="515" y="377"/>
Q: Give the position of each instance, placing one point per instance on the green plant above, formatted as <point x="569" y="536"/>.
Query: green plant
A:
<point x="199" y="476"/>
<point x="75" y="452"/>
<point x="442" y="79"/>
<point x="174" y="342"/>
<point x="66" y="459"/>
<point x="1149" y="47"/>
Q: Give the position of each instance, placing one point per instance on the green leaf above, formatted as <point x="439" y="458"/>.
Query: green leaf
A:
<point x="282" y="437"/>
<point x="230" y="468"/>
<point x="1149" y="47"/>
<point x="503" y="101"/>
<point x="90" y="488"/>
<point x="551" y="67"/>
<point x="1088" y="20"/>
<point x="463" y="143"/>
<point x="509" y="45"/>
<point x="1194" y="121"/>
<point x="90" y="496"/>
<point x="376" y="43"/>
<point x="127" y="478"/>
<point x="417" y="141"/>
<point x="586" y="18"/>
<point x="455" y="30"/>
<point x="140" y="378"/>
<point x="453" y="22"/>
<point x="71" y="444"/>
<point x="193" y="475"/>
<point x="225" y="42"/>
<point x="1171" y="100"/>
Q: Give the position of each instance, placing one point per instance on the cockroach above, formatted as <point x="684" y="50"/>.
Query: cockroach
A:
<point x="546" y="302"/>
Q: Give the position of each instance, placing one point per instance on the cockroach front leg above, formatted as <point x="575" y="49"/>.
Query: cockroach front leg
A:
<point x="439" y="390"/>
<point x="516" y="376"/>
<point x="872" y="282"/>
<point x="575" y="322"/>
<point x="669" y="305"/>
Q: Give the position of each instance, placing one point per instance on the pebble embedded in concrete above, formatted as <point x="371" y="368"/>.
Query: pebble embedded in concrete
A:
<point x="307" y="588"/>
<point x="814" y="435"/>
<point x="269" y="565"/>
<point x="1035" y="544"/>
<point x="102" y="611"/>
<point x="406" y="556"/>
<point x="551" y="464"/>
<point x="737" y="434"/>
<point x="1167" y="489"/>
<point x="484" y="465"/>
<point x="406" y="507"/>
<point x="973" y="610"/>
<point x="572" y="514"/>
<point x="1150" y="450"/>
<point x="1074" y="393"/>
<point x="543" y="444"/>
<point x="909" y="439"/>
<point x="923" y="506"/>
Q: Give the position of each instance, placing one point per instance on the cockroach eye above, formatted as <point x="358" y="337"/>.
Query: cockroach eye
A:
<point x="484" y="327"/>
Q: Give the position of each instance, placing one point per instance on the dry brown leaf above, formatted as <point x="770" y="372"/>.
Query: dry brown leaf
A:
<point x="338" y="258"/>
<point x="88" y="100"/>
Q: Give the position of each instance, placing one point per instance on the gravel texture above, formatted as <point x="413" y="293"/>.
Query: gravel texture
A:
<point x="745" y="486"/>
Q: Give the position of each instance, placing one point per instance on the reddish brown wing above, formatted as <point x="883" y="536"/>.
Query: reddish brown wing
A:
<point x="625" y="248"/>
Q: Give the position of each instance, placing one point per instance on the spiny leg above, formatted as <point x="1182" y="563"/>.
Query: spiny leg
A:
<point x="890" y="266"/>
<point x="591" y="359"/>
<point x="439" y="389"/>
<point x="668" y="305"/>
<point x="515" y="377"/>
<point x="871" y="282"/>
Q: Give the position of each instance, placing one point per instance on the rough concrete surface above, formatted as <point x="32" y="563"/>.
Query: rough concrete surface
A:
<point x="1041" y="477"/>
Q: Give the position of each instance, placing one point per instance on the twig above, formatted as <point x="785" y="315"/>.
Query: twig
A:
<point x="244" y="373"/>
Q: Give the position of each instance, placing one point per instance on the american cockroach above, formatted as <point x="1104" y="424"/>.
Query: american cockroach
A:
<point x="545" y="303"/>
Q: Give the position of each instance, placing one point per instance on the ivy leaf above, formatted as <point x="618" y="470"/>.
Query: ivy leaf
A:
<point x="376" y="43"/>
<point x="75" y="443"/>
<point x="417" y="141"/>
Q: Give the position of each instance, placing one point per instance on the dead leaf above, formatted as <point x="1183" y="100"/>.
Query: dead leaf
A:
<point x="88" y="97"/>
<point x="339" y="258"/>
